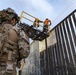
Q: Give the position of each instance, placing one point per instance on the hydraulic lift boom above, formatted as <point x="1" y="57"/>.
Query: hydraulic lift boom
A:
<point x="33" y="33"/>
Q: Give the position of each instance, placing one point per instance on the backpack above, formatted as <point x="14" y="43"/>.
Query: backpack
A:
<point x="3" y="16"/>
<point x="1" y="38"/>
<point x="2" y="19"/>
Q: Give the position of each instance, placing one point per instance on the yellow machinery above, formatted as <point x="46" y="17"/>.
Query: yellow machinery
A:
<point x="22" y="16"/>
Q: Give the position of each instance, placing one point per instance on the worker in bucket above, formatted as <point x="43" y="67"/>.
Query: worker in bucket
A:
<point x="47" y="23"/>
<point x="36" y="22"/>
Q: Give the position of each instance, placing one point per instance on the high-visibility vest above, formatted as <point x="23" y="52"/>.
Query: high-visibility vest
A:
<point x="46" y="22"/>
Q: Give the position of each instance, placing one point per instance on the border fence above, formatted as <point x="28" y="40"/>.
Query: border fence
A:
<point x="60" y="58"/>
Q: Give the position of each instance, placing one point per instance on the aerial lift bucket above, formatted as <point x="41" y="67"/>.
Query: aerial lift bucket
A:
<point x="22" y="16"/>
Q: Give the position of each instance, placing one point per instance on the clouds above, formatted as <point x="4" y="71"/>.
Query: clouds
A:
<point x="39" y="8"/>
<point x="41" y="5"/>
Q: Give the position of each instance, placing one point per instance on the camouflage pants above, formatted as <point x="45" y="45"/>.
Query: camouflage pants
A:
<point x="3" y="70"/>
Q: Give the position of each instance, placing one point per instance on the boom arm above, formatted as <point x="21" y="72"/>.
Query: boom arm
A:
<point x="34" y="34"/>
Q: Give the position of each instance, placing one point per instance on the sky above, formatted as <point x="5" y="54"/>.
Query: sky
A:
<point x="55" y="10"/>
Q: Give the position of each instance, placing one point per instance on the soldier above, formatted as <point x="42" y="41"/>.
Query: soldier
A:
<point x="14" y="43"/>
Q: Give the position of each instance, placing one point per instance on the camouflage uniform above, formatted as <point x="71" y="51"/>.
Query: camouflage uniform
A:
<point x="14" y="43"/>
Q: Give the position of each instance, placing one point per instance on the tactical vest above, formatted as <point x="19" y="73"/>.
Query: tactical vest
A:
<point x="5" y="43"/>
<point x="8" y="46"/>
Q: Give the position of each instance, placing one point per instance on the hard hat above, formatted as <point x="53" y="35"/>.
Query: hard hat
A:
<point x="46" y="18"/>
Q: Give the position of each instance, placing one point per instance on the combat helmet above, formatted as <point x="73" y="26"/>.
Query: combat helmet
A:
<point x="12" y="14"/>
<point x="7" y="15"/>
